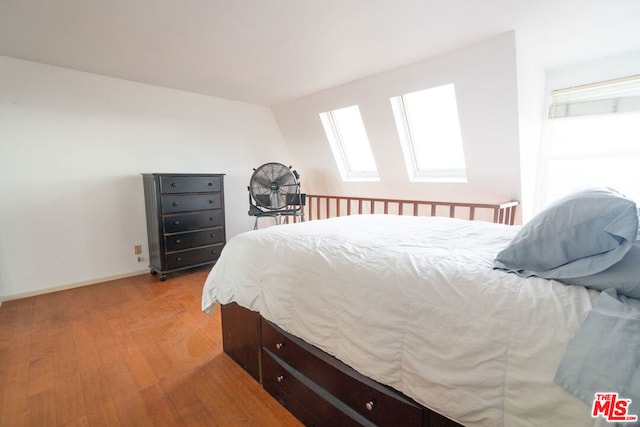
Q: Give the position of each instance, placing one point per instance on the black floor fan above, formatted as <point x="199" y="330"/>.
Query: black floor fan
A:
<point x="274" y="191"/>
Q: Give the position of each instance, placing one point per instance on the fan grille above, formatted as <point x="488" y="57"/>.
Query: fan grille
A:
<point x="272" y="186"/>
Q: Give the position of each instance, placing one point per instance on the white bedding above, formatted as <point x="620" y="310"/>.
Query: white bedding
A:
<point x="414" y="303"/>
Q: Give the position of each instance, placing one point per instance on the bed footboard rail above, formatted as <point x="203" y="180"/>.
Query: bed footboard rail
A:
<point x="320" y="207"/>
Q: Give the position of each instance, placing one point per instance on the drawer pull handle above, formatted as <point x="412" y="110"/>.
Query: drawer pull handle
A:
<point x="370" y="405"/>
<point x="211" y="184"/>
<point x="174" y="204"/>
<point x="280" y="378"/>
<point x="211" y="202"/>
<point x="213" y="251"/>
<point x="213" y="235"/>
<point x="211" y="218"/>
<point x="179" y="259"/>
<point x="176" y="222"/>
<point x="178" y="241"/>
<point x="279" y="346"/>
<point x="173" y="184"/>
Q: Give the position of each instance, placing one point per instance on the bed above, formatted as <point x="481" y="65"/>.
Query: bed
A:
<point x="391" y="319"/>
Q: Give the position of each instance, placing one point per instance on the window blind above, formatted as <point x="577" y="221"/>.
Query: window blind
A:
<point x="611" y="96"/>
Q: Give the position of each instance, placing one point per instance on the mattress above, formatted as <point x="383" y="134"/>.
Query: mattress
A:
<point x="414" y="303"/>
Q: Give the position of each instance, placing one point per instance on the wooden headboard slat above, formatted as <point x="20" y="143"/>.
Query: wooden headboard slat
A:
<point x="503" y="213"/>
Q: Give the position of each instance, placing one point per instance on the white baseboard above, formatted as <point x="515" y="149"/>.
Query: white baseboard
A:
<point x="72" y="285"/>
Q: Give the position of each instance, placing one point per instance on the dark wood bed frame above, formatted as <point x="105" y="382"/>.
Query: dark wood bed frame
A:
<point x="315" y="387"/>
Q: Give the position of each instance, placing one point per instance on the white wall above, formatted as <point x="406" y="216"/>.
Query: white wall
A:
<point x="531" y="82"/>
<point x="596" y="70"/>
<point x="72" y="147"/>
<point x="485" y="79"/>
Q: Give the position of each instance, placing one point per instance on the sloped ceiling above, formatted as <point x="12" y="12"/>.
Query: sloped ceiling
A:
<point x="271" y="51"/>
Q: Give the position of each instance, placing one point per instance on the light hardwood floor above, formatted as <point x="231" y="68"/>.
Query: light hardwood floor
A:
<point x="130" y="352"/>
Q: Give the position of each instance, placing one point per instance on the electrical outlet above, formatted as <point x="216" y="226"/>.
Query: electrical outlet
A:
<point x="137" y="249"/>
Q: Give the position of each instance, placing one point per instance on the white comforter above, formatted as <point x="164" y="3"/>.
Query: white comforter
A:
<point x="414" y="303"/>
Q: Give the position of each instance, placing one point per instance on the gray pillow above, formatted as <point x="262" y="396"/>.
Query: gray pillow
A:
<point x="581" y="234"/>
<point x="624" y="276"/>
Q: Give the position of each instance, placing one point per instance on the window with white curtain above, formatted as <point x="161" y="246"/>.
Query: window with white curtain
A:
<point x="349" y="144"/>
<point x="593" y="137"/>
<point x="430" y="136"/>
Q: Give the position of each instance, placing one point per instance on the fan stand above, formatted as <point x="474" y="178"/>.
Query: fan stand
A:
<point x="278" y="214"/>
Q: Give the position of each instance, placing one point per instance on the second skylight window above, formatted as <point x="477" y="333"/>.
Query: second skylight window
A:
<point x="429" y="131"/>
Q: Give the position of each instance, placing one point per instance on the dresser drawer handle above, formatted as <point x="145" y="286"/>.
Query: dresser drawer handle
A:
<point x="280" y="378"/>
<point x="173" y="184"/>
<point x="370" y="405"/>
<point x="179" y="259"/>
<point x="213" y="251"/>
<point x="210" y="184"/>
<point x="211" y="202"/>
<point x="279" y="345"/>
<point x="176" y="222"/>
<point x="211" y="218"/>
<point x="174" y="204"/>
<point x="178" y="241"/>
<point x="213" y="235"/>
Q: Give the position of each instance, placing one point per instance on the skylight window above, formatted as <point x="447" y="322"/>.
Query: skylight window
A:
<point x="429" y="131"/>
<point x="349" y="144"/>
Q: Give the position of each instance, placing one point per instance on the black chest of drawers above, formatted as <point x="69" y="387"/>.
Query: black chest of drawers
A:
<point x="185" y="220"/>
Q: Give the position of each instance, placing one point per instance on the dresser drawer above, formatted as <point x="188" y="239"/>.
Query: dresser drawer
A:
<point x="190" y="184"/>
<point x="193" y="221"/>
<point x="298" y="395"/>
<point x="191" y="202"/>
<point x="377" y="403"/>
<point x="193" y="257"/>
<point x="192" y="239"/>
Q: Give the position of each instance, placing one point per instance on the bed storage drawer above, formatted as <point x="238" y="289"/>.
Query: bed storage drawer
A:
<point x="368" y="399"/>
<point x="302" y="398"/>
